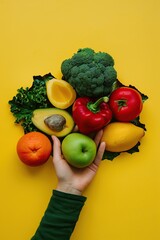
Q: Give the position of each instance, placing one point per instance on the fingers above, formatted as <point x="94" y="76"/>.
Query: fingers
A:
<point x="57" y="155"/>
<point x="75" y="129"/>
<point x="100" y="153"/>
<point x="98" y="137"/>
<point x="56" y="148"/>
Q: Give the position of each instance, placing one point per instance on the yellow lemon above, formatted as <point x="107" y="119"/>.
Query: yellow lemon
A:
<point x="60" y="93"/>
<point x="121" y="136"/>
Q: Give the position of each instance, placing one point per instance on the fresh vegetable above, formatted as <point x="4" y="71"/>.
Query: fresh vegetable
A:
<point x="27" y="100"/>
<point x="121" y="136"/>
<point x="60" y="93"/>
<point x="89" y="115"/>
<point x="53" y="121"/>
<point x="91" y="73"/>
<point x="126" y="104"/>
<point x="34" y="148"/>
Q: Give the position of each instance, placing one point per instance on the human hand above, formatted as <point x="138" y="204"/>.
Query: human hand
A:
<point x="75" y="180"/>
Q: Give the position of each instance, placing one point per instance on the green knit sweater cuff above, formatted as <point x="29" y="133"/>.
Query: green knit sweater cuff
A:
<point x="59" y="194"/>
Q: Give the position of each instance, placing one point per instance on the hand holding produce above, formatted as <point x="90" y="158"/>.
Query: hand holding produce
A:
<point x="75" y="179"/>
<point x="79" y="150"/>
<point x="91" y="116"/>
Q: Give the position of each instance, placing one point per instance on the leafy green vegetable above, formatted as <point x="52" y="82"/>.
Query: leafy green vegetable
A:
<point x="144" y="97"/>
<point x="134" y="149"/>
<point x="137" y="122"/>
<point x="27" y="100"/>
<point x="111" y="155"/>
<point x="91" y="73"/>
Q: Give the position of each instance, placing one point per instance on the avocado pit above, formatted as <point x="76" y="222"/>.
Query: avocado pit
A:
<point x="55" y="122"/>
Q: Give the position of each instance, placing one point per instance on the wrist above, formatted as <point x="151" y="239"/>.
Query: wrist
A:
<point x="67" y="188"/>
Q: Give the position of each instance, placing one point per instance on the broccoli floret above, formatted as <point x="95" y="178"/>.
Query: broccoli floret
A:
<point x="90" y="73"/>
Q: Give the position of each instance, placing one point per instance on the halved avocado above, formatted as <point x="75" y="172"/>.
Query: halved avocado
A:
<point x="39" y="120"/>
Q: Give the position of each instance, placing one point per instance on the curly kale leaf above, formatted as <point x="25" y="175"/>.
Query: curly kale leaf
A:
<point x="27" y="100"/>
<point x="111" y="155"/>
<point x="137" y="122"/>
<point x="144" y="97"/>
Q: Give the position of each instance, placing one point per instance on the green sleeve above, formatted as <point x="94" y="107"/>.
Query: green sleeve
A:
<point x="60" y="217"/>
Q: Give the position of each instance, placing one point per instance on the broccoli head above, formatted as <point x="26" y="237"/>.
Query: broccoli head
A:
<point x="90" y="73"/>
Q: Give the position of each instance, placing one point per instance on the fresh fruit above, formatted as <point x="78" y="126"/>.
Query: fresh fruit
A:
<point x="78" y="149"/>
<point x="53" y="121"/>
<point x="126" y="104"/>
<point x="34" y="148"/>
<point x="121" y="136"/>
<point x="60" y="93"/>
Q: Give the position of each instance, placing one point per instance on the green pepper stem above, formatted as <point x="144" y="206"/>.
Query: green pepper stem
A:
<point x="94" y="107"/>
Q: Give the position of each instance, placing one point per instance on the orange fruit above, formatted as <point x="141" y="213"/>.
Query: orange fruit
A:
<point x="34" y="148"/>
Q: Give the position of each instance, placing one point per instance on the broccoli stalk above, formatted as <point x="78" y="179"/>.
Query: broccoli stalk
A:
<point x="90" y="74"/>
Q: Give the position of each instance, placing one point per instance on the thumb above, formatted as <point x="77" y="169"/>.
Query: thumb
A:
<point x="100" y="153"/>
<point x="56" y="149"/>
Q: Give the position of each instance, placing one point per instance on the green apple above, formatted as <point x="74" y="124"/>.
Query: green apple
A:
<point x="78" y="149"/>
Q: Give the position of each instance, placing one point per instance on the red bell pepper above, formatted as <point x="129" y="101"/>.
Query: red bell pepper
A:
<point x="91" y="116"/>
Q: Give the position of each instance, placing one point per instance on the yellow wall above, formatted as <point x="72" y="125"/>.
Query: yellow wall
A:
<point x="36" y="35"/>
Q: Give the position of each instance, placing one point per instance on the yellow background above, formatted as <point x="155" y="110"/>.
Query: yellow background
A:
<point x="36" y="36"/>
